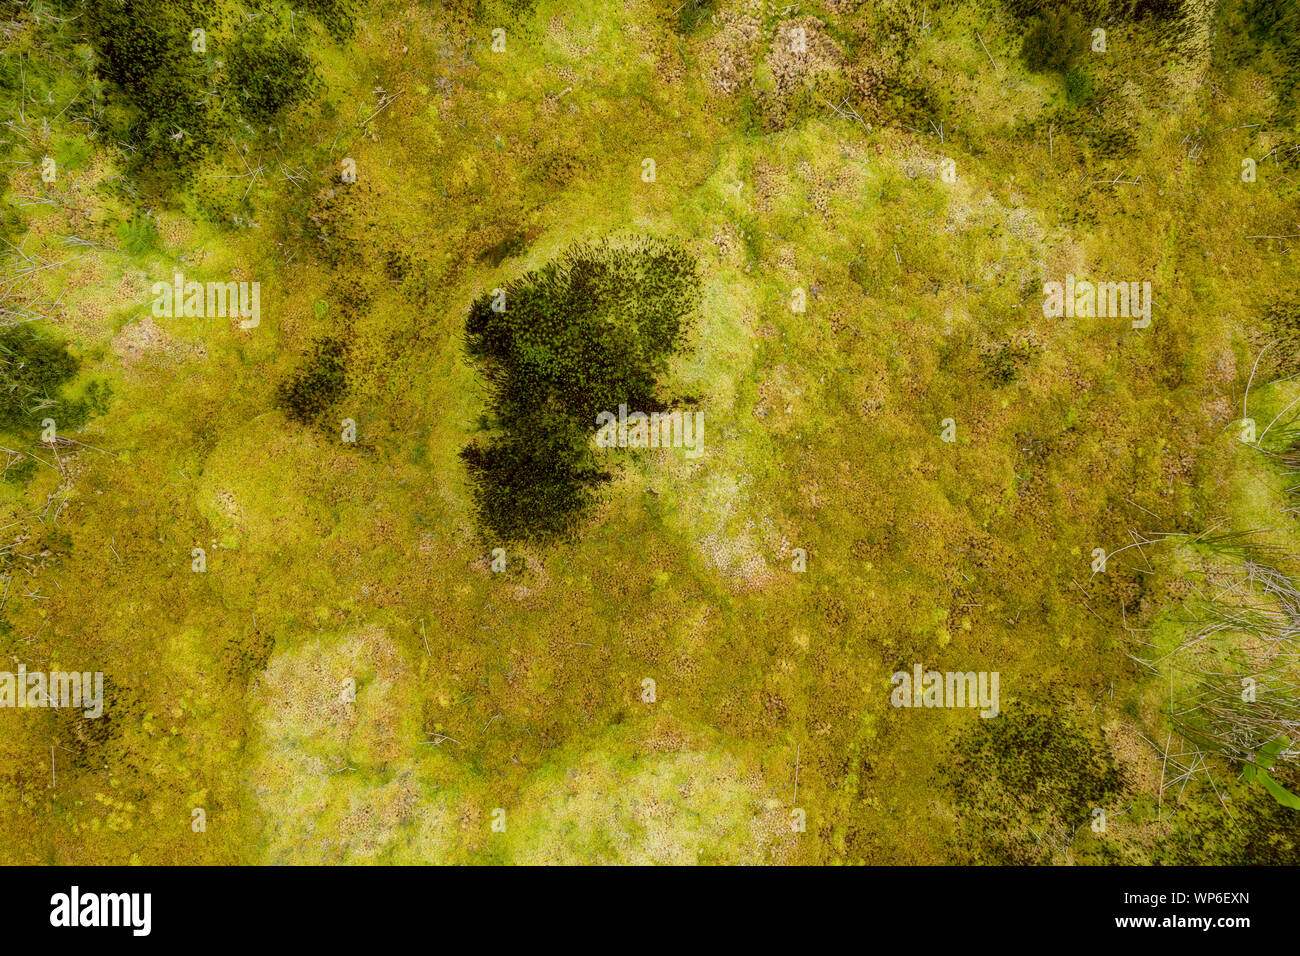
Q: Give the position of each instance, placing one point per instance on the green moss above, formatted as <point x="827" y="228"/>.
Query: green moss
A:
<point x="674" y="808"/>
<point x="1003" y="363"/>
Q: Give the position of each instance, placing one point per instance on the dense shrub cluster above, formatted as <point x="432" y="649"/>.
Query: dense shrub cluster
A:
<point x="171" y="103"/>
<point x="143" y="50"/>
<point x="535" y="479"/>
<point x="586" y="332"/>
<point x="582" y="335"/>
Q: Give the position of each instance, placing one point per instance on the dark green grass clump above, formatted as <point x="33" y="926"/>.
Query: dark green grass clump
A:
<point x="1055" y="41"/>
<point x="1026" y="771"/>
<point x="691" y="14"/>
<point x="317" y="384"/>
<point x="34" y="370"/>
<point x="269" y="72"/>
<point x="582" y="335"/>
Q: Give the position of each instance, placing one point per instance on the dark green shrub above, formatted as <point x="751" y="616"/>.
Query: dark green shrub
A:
<point x="317" y="384"/>
<point x="587" y="332"/>
<point x="1055" y="40"/>
<point x="33" y="371"/>
<point x="143" y="49"/>
<point x="267" y="71"/>
<point x="579" y="336"/>
<point x="533" y="483"/>
<point x="173" y="105"/>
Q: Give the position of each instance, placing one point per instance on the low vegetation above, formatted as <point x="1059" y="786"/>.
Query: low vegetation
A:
<point x="364" y="588"/>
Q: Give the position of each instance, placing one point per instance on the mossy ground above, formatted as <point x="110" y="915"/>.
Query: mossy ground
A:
<point x="522" y="691"/>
